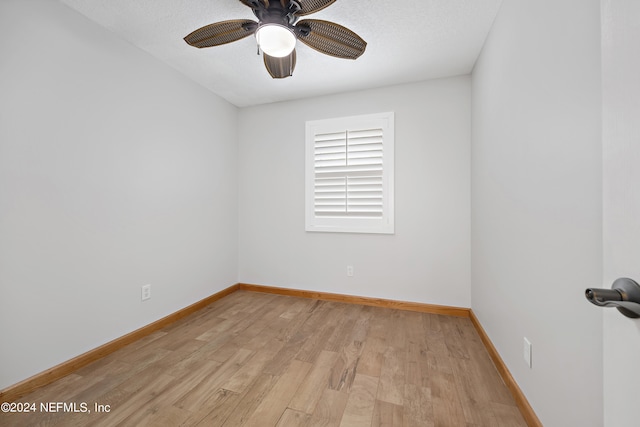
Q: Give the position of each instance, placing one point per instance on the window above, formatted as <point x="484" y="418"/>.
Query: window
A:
<point x="349" y="174"/>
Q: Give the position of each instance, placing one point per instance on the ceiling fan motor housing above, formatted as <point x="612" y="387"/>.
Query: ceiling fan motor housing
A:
<point x="276" y="13"/>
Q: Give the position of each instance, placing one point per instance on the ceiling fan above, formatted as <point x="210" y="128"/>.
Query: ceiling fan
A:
<point x="277" y="30"/>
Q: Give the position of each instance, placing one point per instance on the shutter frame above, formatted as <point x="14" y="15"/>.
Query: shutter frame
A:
<point x="349" y="174"/>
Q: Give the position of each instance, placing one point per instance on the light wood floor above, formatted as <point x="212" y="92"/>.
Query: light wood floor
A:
<point x="253" y="359"/>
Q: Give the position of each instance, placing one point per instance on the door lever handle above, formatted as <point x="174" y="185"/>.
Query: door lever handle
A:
<point x="623" y="295"/>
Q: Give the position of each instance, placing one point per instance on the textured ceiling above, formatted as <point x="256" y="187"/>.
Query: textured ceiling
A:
<point x="407" y="41"/>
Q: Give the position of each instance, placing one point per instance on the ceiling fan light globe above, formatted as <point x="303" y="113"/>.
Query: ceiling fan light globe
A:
<point x="275" y="40"/>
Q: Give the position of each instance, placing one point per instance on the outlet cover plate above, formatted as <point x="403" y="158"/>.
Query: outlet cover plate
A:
<point x="146" y="292"/>
<point x="527" y="352"/>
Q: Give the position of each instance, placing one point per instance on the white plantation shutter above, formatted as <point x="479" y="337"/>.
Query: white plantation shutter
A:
<point x="350" y="174"/>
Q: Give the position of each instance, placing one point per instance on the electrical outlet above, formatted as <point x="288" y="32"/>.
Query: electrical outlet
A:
<point x="527" y="352"/>
<point x="146" y="292"/>
<point x="350" y="270"/>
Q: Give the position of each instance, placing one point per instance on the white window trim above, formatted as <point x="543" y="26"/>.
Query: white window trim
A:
<point x="379" y="225"/>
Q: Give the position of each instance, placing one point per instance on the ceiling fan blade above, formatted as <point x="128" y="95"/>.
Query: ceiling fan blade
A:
<point x="280" y="68"/>
<point x="221" y="33"/>
<point x="312" y="6"/>
<point x="330" y="38"/>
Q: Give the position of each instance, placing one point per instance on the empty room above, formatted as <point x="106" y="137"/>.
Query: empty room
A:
<point x="319" y="213"/>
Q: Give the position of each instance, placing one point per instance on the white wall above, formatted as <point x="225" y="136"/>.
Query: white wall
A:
<point x="621" y="143"/>
<point x="426" y="260"/>
<point x="536" y="202"/>
<point x="115" y="171"/>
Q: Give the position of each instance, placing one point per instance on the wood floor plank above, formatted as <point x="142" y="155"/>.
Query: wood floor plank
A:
<point x="184" y="385"/>
<point x="431" y="323"/>
<point x="216" y="327"/>
<point x="268" y="360"/>
<point x="396" y="331"/>
<point x="282" y="360"/>
<point x="507" y="415"/>
<point x="371" y="358"/>
<point x="169" y="416"/>
<point x="214" y="412"/>
<point x="344" y="369"/>
<point x="310" y="391"/>
<point x="418" y="406"/>
<point x="209" y="383"/>
<point x="253" y="324"/>
<point x="447" y="408"/>
<point x="362" y="325"/>
<point x="137" y="399"/>
<point x="281" y="329"/>
<point x="158" y="410"/>
<point x="416" y="363"/>
<point x="318" y="328"/>
<point x="295" y="307"/>
<point x="322" y="422"/>
<point x="146" y="355"/>
<point x="180" y="363"/>
<point x="314" y="344"/>
<point x="479" y="391"/>
<point x="303" y="330"/>
<point x="387" y="414"/>
<point x="344" y="328"/>
<point x="275" y="402"/>
<point x="392" y="377"/>
<point x="221" y="352"/>
<point x="454" y="338"/>
<point x="361" y="402"/>
<point x="330" y="408"/>
<point x="250" y="370"/>
<point x="293" y="418"/>
<point x="240" y="407"/>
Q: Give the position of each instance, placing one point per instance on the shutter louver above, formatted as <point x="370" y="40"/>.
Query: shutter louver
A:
<point x="348" y="174"/>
